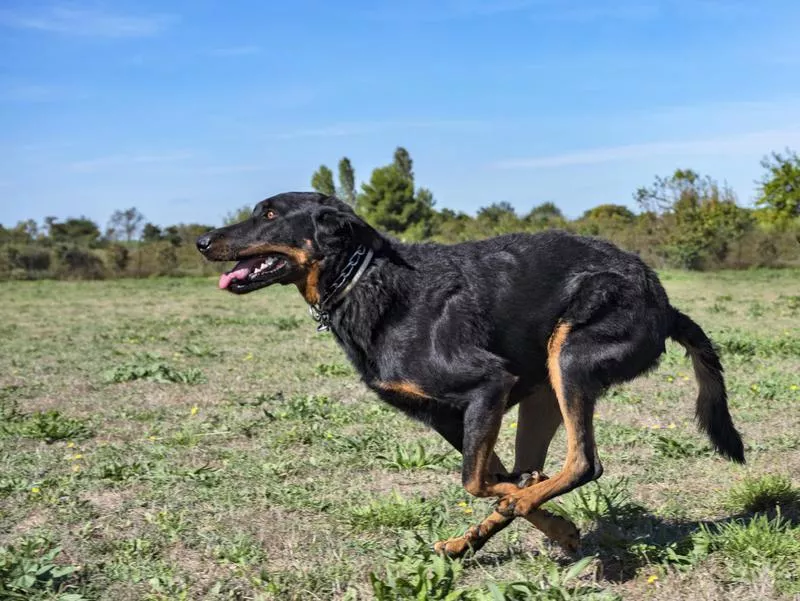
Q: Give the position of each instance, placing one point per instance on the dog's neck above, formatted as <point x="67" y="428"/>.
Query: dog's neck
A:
<point x="335" y="284"/>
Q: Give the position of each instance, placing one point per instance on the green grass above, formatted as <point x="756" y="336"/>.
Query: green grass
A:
<point x="162" y="440"/>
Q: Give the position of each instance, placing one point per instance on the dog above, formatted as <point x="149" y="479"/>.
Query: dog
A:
<point x="456" y="335"/>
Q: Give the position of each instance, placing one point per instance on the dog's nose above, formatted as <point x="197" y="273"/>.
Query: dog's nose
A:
<point x="203" y="242"/>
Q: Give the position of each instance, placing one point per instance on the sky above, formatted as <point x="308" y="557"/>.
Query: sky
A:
<point x="190" y="109"/>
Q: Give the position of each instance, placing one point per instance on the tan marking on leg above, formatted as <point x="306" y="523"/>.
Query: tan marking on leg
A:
<point x="578" y="425"/>
<point x="404" y="387"/>
<point x="475" y="537"/>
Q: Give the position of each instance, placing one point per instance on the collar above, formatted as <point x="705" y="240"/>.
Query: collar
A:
<point x="341" y="287"/>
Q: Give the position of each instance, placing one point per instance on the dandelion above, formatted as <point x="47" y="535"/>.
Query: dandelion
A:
<point x="194" y="410"/>
<point x="670" y="379"/>
<point x="36" y="490"/>
<point x="513" y="425"/>
<point x="70" y="445"/>
<point x="151" y="438"/>
<point x="794" y="387"/>
<point x="248" y="357"/>
<point x="462" y="504"/>
<point x="468" y="510"/>
<point x="652" y="579"/>
<point x="76" y="457"/>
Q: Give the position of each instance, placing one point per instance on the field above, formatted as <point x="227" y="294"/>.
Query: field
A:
<point x="160" y="439"/>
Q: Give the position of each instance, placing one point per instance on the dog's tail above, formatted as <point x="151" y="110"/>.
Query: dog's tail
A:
<point x="712" y="401"/>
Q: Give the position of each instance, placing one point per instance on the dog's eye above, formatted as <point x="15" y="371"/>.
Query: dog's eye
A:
<point x="270" y="214"/>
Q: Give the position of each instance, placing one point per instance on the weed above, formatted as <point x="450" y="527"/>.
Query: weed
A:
<point x="674" y="448"/>
<point x="152" y="368"/>
<point x="764" y="493"/>
<point x="600" y="500"/>
<point x="761" y="545"/>
<point x="333" y="369"/>
<point x="415" y="457"/>
<point x="28" y="570"/>
<point x="391" y="512"/>
<point x="48" y="426"/>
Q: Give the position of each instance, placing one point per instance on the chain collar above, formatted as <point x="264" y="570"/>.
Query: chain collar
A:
<point x="358" y="263"/>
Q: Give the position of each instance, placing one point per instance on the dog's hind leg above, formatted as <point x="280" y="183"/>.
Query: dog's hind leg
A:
<point x="451" y="426"/>
<point x="576" y="393"/>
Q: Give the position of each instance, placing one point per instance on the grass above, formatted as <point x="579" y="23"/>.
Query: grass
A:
<point x="162" y="440"/>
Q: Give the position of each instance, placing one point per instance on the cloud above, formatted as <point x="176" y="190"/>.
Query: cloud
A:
<point x="236" y="50"/>
<point x="100" y="163"/>
<point x="373" y="127"/>
<point x="739" y="144"/>
<point x="87" y="23"/>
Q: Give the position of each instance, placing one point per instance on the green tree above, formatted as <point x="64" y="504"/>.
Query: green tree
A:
<point x="388" y="201"/>
<point x="240" y="214"/>
<point x="322" y="181"/>
<point x="403" y="162"/>
<point x="347" y="181"/>
<point x="124" y="224"/>
<point x="699" y="218"/>
<point x="151" y="233"/>
<point x="76" y="231"/>
<point x="780" y="189"/>
<point x="544" y="216"/>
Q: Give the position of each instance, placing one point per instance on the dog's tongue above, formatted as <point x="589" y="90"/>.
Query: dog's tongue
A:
<point x="237" y="274"/>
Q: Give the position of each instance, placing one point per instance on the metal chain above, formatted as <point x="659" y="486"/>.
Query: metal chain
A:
<point x="316" y="310"/>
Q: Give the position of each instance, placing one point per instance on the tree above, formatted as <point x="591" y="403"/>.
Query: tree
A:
<point x="699" y="220"/>
<point x="347" y="181"/>
<point x="124" y="224"/>
<point x="780" y="188"/>
<point x="75" y="231"/>
<point x="151" y="233"/>
<point x="544" y="216"/>
<point x="403" y="163"/>
<point x="322" y="181"/>
<point x="388" y="202"/>
<point x="240" y="214"/>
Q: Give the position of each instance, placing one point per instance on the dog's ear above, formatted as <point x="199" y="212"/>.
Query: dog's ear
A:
<point x="336" y="229"/>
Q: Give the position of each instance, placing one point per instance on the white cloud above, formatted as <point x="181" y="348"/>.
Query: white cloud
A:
<point x="87" y="23"/>
<point x="733" y="145"/>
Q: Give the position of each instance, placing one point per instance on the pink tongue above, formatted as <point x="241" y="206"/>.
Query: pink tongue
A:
<point x="226" y="278"/>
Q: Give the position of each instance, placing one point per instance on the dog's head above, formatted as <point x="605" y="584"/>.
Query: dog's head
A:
<point x="291" y="238"/>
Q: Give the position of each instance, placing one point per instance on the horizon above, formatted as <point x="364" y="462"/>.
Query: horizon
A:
<point x="190" y="111"/>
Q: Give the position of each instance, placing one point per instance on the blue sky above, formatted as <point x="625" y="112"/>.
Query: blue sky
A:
<point x="189" y="109"/>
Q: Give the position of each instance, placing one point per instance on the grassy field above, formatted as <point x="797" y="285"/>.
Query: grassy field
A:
<point x="163" y="440"/>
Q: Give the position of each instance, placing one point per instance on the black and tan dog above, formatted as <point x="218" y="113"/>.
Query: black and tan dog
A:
<point x="457" y="335"/>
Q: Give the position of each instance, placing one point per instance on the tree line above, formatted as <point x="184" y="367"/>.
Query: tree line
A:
<point x="684" y="220"/>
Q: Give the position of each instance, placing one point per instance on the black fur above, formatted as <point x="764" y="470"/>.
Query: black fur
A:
<point x="468" y="324"/>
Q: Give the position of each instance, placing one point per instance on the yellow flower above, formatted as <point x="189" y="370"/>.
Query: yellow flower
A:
<point x="655" y="427"/>
<point x="151" y="438"/>
<point x="248" y="357"/>
<point x="468" y="510"/>
<point x="670" y="379"/>
<point x="513" y="425"/>
<point x="36" y="490"/>
<point x="76" y="468"/>
<point x="794" y="387"/>
<point x="70" y="445"/>
<point x="462" y="504"/>
<point x="76" y="457"/>
<point x="194" y="410"/>
<point x="672" y="426"/>
<point x="652" y="579"/>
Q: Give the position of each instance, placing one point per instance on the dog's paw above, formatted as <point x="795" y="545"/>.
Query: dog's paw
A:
<point x="453" y="547"/>
<point x="527" y="479"/>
